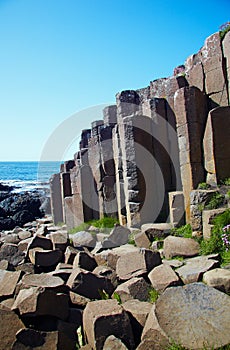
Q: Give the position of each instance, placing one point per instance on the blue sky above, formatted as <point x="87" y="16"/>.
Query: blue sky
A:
<point x="59" y="57"/>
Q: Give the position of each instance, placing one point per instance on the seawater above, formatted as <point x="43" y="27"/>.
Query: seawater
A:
<point x="27" y="176"/>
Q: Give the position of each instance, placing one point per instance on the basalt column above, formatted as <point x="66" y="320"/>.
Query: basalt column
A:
<point x="191" y="114"/>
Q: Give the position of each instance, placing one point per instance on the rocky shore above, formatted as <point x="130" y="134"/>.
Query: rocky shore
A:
<point x="95" y="290"/>
<point x="16" y="209"/>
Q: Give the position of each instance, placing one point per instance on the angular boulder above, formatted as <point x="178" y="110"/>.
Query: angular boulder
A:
<point x="135" y="288"/>
<point x="83" y="238"/>
<point x="195" y="316"/>
<point x="10" y="324"/>
<point x="137" y="264"/>
<point x="178" y="246"/>
<point x="163" y="276"/>
<point x="8" y="282"/>
<point x="103" y="318"/>
<point x="219" y="279"/>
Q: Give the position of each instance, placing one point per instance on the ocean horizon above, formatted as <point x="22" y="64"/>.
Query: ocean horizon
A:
<point x="28" y="175"/>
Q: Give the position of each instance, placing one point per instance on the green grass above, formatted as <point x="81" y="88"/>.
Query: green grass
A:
<point x="153" y="295"/>
<point x="102" y="224"/>
<point x="226" y="181"/>
<point x="183" y="231"/>
<point x="203" y="186"/>
<point x="215" y="244"/>
<point x="215" y="202"/>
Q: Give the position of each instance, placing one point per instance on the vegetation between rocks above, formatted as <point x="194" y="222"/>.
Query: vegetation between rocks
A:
<point x="224" y="29"/>
<point x="101" y="224"/>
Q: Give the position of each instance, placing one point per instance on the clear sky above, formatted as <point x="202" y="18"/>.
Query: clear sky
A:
<point x="59" y="57"/>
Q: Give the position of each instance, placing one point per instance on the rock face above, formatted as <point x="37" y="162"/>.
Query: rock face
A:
<point x="10" y="324"/>
<point x="195" y="316"/>
<point x="103" y="318"/>
<point x="153" y="147"/>
<point x="178" y="246"/>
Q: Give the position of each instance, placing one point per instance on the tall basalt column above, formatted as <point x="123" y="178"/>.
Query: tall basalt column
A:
<point x="56" y="198"/>
<point x="191" y="114"/>
<point x="217" y="145"/>
<point x="65" y="188"/>
<point x="226" y="51"/>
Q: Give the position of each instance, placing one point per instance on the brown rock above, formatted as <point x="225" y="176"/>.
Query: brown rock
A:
<point x="43" y="280"/>
<point x="59" y="239"/>
<point x="78" y="300"/>
<point x="39" y="241"/>
<point x="194" y="268"/>
<point x="51" y="341"/>
<point x="36" y="301"/>
<point x="103" y="318"/>
<point x="207" y="220"/>
<point x="70" y="254"/>
<point x="178" y="246"/>
<point x="137" y="263"/>
<point x="83" y="238"/>
<point x="88" y="284"/>
<point x="113" y="255"/>
<point x="218" y="278"/>
<point x="195" y="315"/>
<point x="135" y="288"/>
<point x="113" y="343"/>
<point x="141" y="240"/>
<point x="153" y="337"/>
<point x="162" y="277"/>
<point x="10" y="324"/>
<point x="85" y="261"/>
<point x="11" y="253"/>
<point x="8" y="282"/>
<point x="45" y="258"/>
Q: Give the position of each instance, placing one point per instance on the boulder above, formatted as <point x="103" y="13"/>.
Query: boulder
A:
<point x="45" y="258"/>
<point x="142" y="240"/>
<point x="43" y="280"/>
<point x="119" y="236"/>
<point x="194" y="268"/>
<point x="195" y="316"/>
<point x="113" y="343"/>
<point x="135" y="288"/>
<point x="11" y="253"/>
<point x="138" y="312"/>
<point x="70" y="254"/>
<point x="137" y="264"/>
<point x="219" y="279"/>
<point x="162" y="277"/>
<point x="103" y="318"/>
<point x="78" y="300"/>
<point x="85" y="261"/>
<point x="112" y="256"/>
<point x="83" y="238"/>
<point x="51" y="341"/>
<point x="59" y="239"/>
<point x="178" y="246"/>
<point x="8" y="282"/>
<point x="156" y="230"/>
<point x="88" y="284"/>
<point x="37" y="301"/>
<point x="153" y="337"/>
<point x="10" y="324"/>
<point x="10" y="238"/>
<point x="39" y="241"/>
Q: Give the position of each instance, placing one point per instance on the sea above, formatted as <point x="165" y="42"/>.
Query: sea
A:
<point x="28" y="176"/>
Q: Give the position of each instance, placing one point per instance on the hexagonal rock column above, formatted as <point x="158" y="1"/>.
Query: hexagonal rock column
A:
<point x="56" y="198"/>
<point x="103" y="318"/>
<point x="195" y="316"/>
<point x="217" y="145"/>
<point x="226" y="51"/>
<point x="190" y="110"/>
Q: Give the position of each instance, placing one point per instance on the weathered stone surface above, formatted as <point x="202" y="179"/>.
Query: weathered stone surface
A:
<point x="217" y="144"/>
<point x="41" y="242"/>
<point x="11" y="253"/>
<point x="56" y="199"/>
<point x="45" y="258"/>
<point x="88" y="284"/>
<point x="70" y="254"/>
<point x="226" y="52"/>
<point x="218" y="278"/>
<point x="194" y="268"/>
<point x="198" y="200"/>
<point x="113" y="255"/>
<point x="195" y="316"/>
<point x="178" y="246"/>
<point x="51" y="342"/>
<point x="176" y="208"/>
<point x="23" y="234"/>
<point x="10" y="324"/>
<point x="59" y="240"/>
<point x="10" y="238"/>
<point x="24" y="244"/>
<point x="103" y="318"/>
<point x="83" y="238"/>
<point x="61" y="273"/>
<point x="173" y="263"/>
<point x="119" y="235"/>
<point x="153" y="335"/>
<point x="37" y="301"/>
<point x="141" y="240"/>
<point x="162" y="277"/>
<point x="43" y="280"/>
<point x="137" y="264"/>
<point x="135" y="288"/>
<point x="156" y="231"/>
<point x="85" y="261"/>
<point x="113" y="343"/>
<point x="8" y="282"/>
<point x="78" y="300"/>
<point x="4" y="265"/>
<point x="207" y="220"/>
<point x="30" y="337"/>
